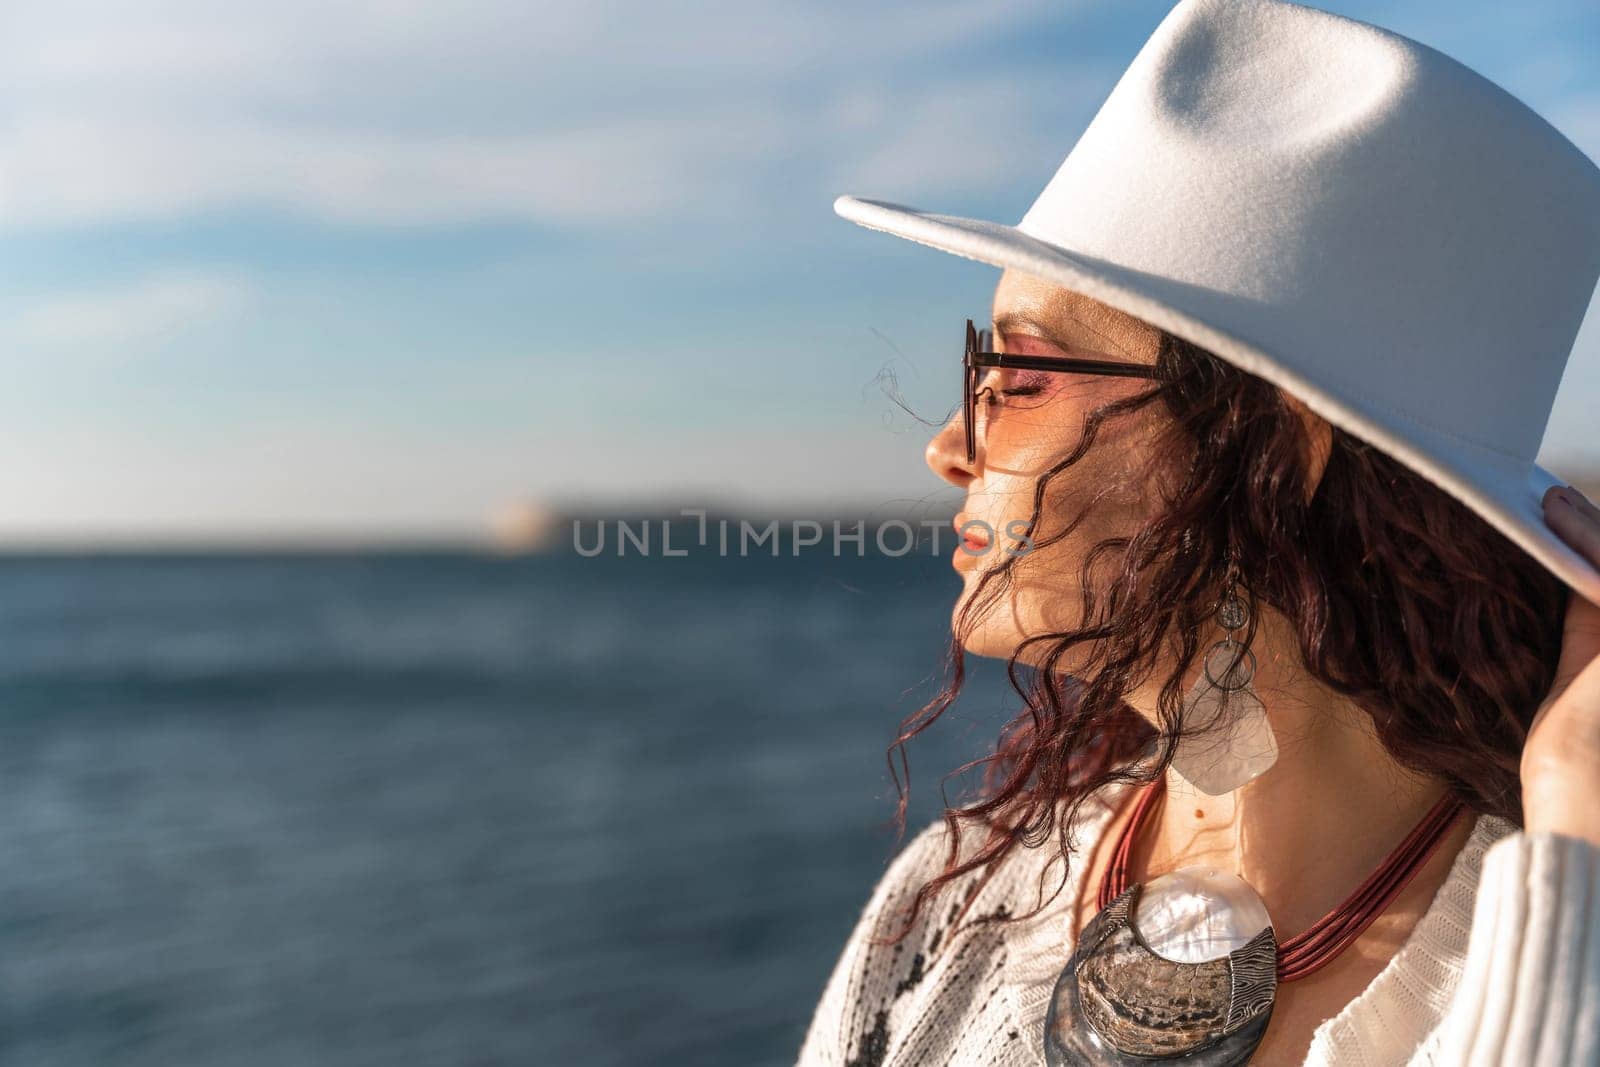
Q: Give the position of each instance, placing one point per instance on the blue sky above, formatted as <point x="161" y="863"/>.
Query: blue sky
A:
<point x="388" y="268"/>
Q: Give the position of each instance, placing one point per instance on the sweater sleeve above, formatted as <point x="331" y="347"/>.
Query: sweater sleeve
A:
<point x="840" y="1032"/>
<point x="1529" y="994"/>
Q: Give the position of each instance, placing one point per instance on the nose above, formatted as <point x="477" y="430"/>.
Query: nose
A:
<point x="947" y="453"/>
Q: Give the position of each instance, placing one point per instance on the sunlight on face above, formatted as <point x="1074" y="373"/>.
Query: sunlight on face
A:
<point x="1027" y="421"/>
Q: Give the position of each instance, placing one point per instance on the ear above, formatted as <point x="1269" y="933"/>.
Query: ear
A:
<point x="1319" y="435"/>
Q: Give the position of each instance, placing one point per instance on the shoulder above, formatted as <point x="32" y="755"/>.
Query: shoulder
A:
<point x="1530" y="979"/>
<point x="921" y="996"/>
<point x="862" y="1003"/>
<point x="923" y="854"/>
<point x="939" y="993"/>
<point x="920" y="859"/>
<point x="926" y="854"/>
<point x="1405" y="1004"/>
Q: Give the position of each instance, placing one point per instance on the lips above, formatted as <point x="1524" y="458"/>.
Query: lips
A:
<point x="974" y="536"/>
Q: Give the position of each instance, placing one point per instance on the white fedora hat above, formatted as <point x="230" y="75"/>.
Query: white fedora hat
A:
<point x="1351" y="215"/>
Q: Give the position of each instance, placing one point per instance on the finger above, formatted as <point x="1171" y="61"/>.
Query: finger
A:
<point x="1583" y="503"/>
<point x="1580" y="641"/>
<point x="1576" y="520"/>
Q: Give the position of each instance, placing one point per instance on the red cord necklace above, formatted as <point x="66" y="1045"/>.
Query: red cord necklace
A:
<point x="1187" y="965"/>
<point x="1315" y="947"/>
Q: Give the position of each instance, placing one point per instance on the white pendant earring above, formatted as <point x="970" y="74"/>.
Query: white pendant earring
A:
<point x="1234" y="743"/>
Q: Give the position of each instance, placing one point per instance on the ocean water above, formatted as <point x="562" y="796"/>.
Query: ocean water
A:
<point x="452" y="809"/>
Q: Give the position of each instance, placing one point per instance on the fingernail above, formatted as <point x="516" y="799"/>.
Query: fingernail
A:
<point x="1561" y="497"/>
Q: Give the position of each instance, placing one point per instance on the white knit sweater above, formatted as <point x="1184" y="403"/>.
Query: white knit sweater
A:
<point x="1502" y="969"/>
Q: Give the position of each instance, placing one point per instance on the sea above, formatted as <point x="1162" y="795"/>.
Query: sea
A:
<point x="454" y="807"/>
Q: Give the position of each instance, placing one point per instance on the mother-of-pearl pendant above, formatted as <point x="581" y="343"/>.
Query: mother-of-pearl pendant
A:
<point x="1183" y="968"/>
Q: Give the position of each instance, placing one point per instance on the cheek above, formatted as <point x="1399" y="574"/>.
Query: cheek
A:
<point x="1112" y="479"/>
<point x="1033" y="433"/>
<point x="1104" y="495"/>
<point x="1034" y="437"/>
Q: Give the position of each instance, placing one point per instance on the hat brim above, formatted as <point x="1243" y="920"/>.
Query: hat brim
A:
<point x="1506" y="491"/>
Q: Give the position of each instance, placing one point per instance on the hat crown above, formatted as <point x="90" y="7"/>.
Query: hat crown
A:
<point x="1400" y="230"/>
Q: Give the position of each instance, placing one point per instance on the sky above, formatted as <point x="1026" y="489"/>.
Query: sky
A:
<point x="394" y="269"/>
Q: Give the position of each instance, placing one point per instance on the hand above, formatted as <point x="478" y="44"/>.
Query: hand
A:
<point x="1561" y="758"/>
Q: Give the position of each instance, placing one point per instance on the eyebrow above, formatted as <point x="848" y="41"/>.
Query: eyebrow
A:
<point x="1019" y="321"/>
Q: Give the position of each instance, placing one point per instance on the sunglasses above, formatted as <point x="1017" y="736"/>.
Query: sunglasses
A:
<point x="979" y="356"/>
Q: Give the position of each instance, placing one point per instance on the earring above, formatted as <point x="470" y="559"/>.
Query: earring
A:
<point x="1234" y="742"/>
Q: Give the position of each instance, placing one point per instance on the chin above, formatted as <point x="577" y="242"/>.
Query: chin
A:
<point x="987" y="638"/>
<point x="980" y="644"/>
<point x="994" y="639"/>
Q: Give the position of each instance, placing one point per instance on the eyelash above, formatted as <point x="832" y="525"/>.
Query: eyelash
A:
<point x="1025" y="390"/>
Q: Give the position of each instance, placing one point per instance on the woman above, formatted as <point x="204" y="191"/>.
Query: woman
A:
<point x="1309" y="770"/>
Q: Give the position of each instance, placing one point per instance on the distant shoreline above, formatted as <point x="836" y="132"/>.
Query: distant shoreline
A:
<point x="554" y="534"/>
<point x="545" y="530"/>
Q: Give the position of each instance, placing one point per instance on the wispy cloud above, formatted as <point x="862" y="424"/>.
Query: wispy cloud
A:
<point x="601" y="113"/>
<point x="149" y="309"/>
<point x="962" y="135"/>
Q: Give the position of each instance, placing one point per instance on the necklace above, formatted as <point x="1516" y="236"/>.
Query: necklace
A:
<point x="1185" y="968"/>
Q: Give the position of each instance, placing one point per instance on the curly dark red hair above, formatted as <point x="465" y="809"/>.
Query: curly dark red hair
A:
<point x="1405" y="601"/>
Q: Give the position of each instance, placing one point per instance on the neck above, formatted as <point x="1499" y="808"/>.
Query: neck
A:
<point x="1310" y="829"/>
